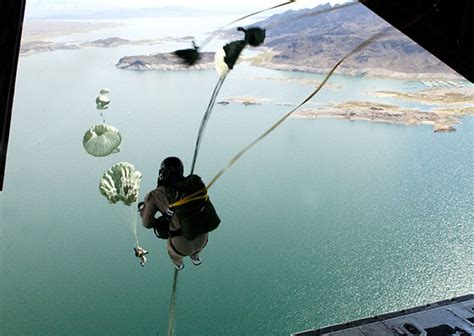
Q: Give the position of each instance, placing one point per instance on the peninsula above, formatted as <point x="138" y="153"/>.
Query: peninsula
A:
<point x="163" y="61"/>
<point x="443" y="118"/>
<point x="386" y="113"/>
<point x="31" y="46"/>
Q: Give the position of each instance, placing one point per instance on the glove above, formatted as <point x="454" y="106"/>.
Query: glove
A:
<point x="162" y="226"/>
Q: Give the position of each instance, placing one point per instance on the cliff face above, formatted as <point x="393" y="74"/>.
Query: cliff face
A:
<point x="316" y="43"/>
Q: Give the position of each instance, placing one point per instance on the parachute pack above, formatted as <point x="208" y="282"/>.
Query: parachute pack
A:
<point x="190" y="202"/>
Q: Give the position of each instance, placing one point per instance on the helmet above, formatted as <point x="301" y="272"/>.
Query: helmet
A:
<point x="171" y="171"/>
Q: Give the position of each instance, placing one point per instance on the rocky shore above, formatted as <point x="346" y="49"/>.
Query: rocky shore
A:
<point x="435" y="96"/>
<point x="244" y="100"/>
<point x="442" y="119"/>
<point x="374" y="112"/>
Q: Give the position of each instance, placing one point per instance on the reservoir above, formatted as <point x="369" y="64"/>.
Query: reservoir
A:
<point x="324" y="221"/>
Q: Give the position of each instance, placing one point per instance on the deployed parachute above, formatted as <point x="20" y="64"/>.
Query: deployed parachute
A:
<point x="254" y="38"/>
<point x="226" y="57"/>
<point x="121" y="183"/>
<point x="102" y="140"/>
<point x="102" y="102"/>
<point x="189" y="56"/>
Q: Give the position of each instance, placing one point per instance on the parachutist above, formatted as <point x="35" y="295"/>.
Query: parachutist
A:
<point x="140" y="253"/>
<point x="187" y="213"/>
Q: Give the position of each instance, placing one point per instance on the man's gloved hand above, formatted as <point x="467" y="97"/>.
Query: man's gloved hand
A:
<point x="162" y="227"/>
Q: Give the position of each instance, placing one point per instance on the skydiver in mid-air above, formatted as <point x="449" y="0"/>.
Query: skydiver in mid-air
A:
<point x="185" y="226"/>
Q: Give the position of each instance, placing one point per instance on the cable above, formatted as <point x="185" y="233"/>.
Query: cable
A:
<point x="172" y="307"/>
<point x="205" y="119"/>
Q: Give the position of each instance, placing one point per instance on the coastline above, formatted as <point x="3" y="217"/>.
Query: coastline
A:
<point x="442" y="119"/>
<point x="264" y="60"/>
<point x="385" y="113"/>
<point x="38" y="30"/>
<point x="450" y="103"/>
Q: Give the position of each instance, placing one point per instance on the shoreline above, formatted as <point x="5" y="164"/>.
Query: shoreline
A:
<point x="38" y="30"/>
<point x="36" y="34"/>
<point x="384" y="113"/>
<point x="442" y="119"/>
<point x="264" y="60"/>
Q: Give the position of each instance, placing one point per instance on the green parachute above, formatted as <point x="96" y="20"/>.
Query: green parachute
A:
<point x="102" y="102"/>
<point x="102" y="140"/>
<point x="121" y="183"/>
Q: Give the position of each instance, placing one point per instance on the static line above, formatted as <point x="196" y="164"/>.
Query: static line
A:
<point x="205" y="119"/>
<point x="134" y="225"/>
<point x="172" y="308"/>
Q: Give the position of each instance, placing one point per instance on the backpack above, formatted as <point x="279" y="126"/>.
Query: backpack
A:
<point x="190" y="202"/>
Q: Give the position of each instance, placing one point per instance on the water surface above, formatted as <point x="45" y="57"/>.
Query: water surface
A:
<point x="324" y="221"/>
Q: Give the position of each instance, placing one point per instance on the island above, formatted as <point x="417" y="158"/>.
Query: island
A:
<point x="244" y="100"/>
<point x="386" y="113"/>
<point x="164" y="61"/>
<point x="33" y="42"/>
<point x="309" y="44"/>
<point x="442" y="119"/>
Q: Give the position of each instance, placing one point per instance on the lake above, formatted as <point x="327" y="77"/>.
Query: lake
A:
<point x="324" y="221"/>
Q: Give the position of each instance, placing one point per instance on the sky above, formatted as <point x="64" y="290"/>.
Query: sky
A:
<point x="43" y="8"/>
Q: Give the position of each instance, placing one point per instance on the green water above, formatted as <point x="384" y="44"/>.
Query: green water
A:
<point x="324" y="221"/>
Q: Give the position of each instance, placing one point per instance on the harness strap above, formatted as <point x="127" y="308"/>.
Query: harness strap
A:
<point x="176" y="233"/>
<point x="175" y="250"/>
<point x="190" y="198"/>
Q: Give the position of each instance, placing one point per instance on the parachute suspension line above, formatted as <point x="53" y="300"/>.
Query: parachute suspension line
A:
<point x="282" y="119"/>
<point x="172" y="307"/>
<point x="205" y="118"/>
<point x="128" y="221"/>
<point x="133" y="225"/>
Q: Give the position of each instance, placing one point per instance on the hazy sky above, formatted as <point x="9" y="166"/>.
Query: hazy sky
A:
<point x="53" y="7"/>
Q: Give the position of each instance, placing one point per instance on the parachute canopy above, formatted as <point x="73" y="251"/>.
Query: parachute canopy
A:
<point x="104" y="91"/>
<point x="102" y="102"/>
<point x="253" y="36"/>
<point x="226" y="57"/>
<point x="102" y="140"/>
<point x="121" y="183"/>
<point x="189" y="57"/>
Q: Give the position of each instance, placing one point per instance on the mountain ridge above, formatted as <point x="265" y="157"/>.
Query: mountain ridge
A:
<point x="298" y="41"/>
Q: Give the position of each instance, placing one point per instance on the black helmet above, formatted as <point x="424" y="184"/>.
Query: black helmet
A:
<point x="171" y="171"/>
